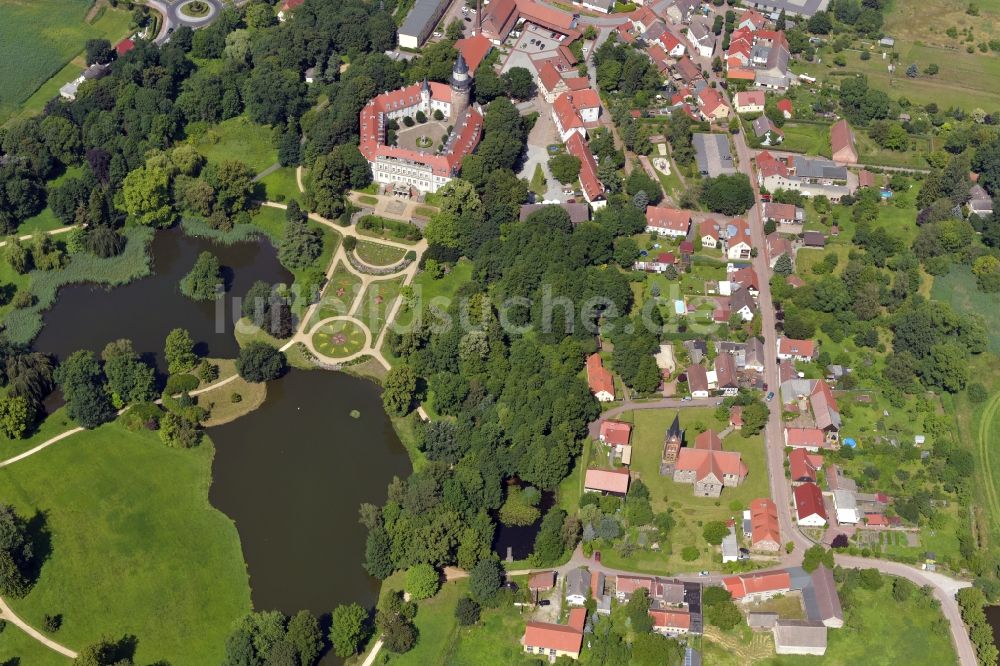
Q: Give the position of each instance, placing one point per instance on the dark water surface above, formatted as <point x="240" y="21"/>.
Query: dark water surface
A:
<point x="88" y="316"/>
<point x="292" y="475"/>
<point x="993" y="617"/>
<point x="519" y="542"/>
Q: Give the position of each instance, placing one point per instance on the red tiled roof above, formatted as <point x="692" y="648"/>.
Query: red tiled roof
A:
<point x="803" y="466"/>
<point x="669" y="40"/>
<point x="567" y="55"/>
<point x="742" y="234"/>
<point x="687" y="69"/>
<point x="746" y="277"/>
<point x="708" y="440"/>
<point x="710" y="99"/>
<point x="577" y="82"/>
<point x="686" y="247"/>
<point x="866" y="178"/>
<point x="628" y="584"/>
<point x="841" y="137"/>
<point x="554" y="636"/>
<point x="754" y="17"/>
<point x="741" y="586"/>
<point x="124" y="46"/>
<point x="670" y="619"/>
<point x="750" y="97"/>
<point x="592" y="185"/>
<point x="598" y="376"/>
<point x="764" y="522"/>
<point x="473" y="49"/>
<point x="543" y="580"/>
<point x="668" y="218"/>
<point x="703" y="463"/>
<point x="288" y="5"/>
<point x="549" y="76"/>
<point x="736" y="415"/>
<point x="809" y="501"/>
<point x="607" y="480"/>
<point x="741" y="74"/>
<point x="779" y="211"/>
<point x="725" y="364"/>
<point x="615" y="432"/>
<point x="785" y="105"/>
<point x="796" y="347"/>
<point x="577" y="618"/>
<point x="697" y="378"/>
<point x="812" y="438"/>
<point x="709" y="228"/>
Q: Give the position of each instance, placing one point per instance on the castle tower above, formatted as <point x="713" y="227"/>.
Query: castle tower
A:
<point x="425" y="97"/>
<point x="461" y="88"/>
<point x="672" y="442"/>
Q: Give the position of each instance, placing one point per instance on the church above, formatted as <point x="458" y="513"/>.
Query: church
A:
<point x="415" y="165"/>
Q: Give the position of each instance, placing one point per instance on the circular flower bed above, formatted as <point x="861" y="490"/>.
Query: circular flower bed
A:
<point x="338" y="339"/>
<point x="195" y="9"/>
<point x="424" y="142"/>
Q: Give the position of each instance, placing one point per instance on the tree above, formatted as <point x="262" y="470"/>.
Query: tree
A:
<point x="870" y="579"/>
<point x="455" y="30"/>
<point x="179" y="351"/>
<point x="467" y="612"/>
<point x="260" y="362"/>
<point x="145" y="195"/>
<point x="202" y="282"/>
<point x="815" y="556"/>
<point x="519" y="82"/>
<point x="398" y="390"/>
<point x="485" y="580"/>
<point x="565" y="168"/>
<point x="783" y="266"/>
<point x="399" y="636"/>
<point x="725" y="615"/>
<point x="178" y="432"/>
<point x="422" y="581"/>
<point x="755" y="417"/>
<point x="637" y="611"/>
<point x="301" y="243"/>
<point x="17" y="415"/>
<point x="655" y="650"/>
<point x="16" y="553"/>
<point x="348" y="628"/>
<point x="80" y="379"/>
<point x="99" y="51"/>
<point x="549" y="545"/>
<point x="728" y="194"/>
<point x="129" y="379"/>
<point x="305" y="636"/>
<point x="714" y="532"/>
<point x="103" y="653"/>
<point x="378" y="553"/>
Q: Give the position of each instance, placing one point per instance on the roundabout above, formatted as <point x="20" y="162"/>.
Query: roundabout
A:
<point x="196" y="12"/>
<point x="339" y="338"/>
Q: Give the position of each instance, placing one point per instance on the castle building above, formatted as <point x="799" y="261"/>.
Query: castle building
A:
<point x="426" y="170"/>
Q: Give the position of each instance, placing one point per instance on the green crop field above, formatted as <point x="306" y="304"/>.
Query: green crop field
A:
<point x="38" y="39"/>
<point x="136" y="548"/>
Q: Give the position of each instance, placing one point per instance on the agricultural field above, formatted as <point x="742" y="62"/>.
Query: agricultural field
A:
<point x="115" y="501"/>
<point x="40" y="38"/>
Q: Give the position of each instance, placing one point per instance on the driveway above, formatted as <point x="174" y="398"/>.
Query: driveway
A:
<point x="541" y="135"/>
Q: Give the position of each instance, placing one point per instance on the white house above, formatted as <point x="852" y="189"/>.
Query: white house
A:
<point x="709" y="230"/>
<point x="809" y="508"/>
<point x="749" y="101"/>
<point x="667" y="221"/>
<point x="846" y="504"/>
<point x="701" y="38"/>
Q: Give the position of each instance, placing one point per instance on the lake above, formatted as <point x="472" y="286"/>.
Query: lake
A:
<point x="292" y="475"/>
<point x="87" y="316"/>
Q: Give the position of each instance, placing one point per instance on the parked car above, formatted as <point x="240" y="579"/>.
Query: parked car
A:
<point x="702" y="573"/>
<point x="597" y="556"/>
<point x="544" y="602"/>
<point x="686" y="398"/>
<point x="770" y="396"/>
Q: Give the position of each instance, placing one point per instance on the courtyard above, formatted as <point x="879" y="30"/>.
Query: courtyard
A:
<point x="428" y="136"/>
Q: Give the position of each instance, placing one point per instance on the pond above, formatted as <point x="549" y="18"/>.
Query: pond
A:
<point x="993" y="617"/>
<point x="88" y="316"/>
<point x="292" y="475"/>
<point x="519" y="542"/>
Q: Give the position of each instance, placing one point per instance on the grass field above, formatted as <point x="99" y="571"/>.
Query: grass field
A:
<point x="689" y="511"/>
<point x="19" y="649"/>
<point x="47" y="220"/>
<point x="375" y="304"/>
<point x="136" y="547"/>
<point x="239" y="139"/>
<point x="927" y="21"/>
<point x="808" y="138"/>
<point x="281" y="185"/>
<point x="378" y="254"/>
<point x="39" y="38"/>
<point x="338" y="295"/>
<point x="55" y="423"/>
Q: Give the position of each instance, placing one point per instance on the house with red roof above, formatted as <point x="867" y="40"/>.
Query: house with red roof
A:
<point x="736" y="417"/>
<point x="709" y="232"/>
<point x="783" y="213"/>
<point x="601" y="383"/>
<point x="657" y="264"/>
<point x="866" y="178"/>
<point x="753" y="587"/>
<point x="807" y="439"/>
<point x="708" y="467"/>
<point x="474" y="49"/>
<point x="665" y="221"/>
<point x="124" y="46"/>
<point x="697" y="378"/>
<point x="287" y="7"/>
<point x="593" y="188"/>
<point x="670" y="622"/>
<point x="751" y="20"/>
<point x="785" y="106"/>
<point x="551" y="82"/>
<point x="500" y="17"/>
<point x="749" y="101"/>
<point x="606" y="481"/>
<point x="659" y="58"/>
<point x="424" y="170"/>
<point x="725" y="375"/>
<point x="672" y="44"/>
<point x="803" y="465"/>
<point x="809" y="508"/>
<point x="842" y="143"/>
<point x="797" y="350"/>
<point x="575" y="111"/>
<point x="615" y="433"/>
<point x="551" y="641"/>
<point x="777" y="245"/>
<point x="765" y="532"/>
<point x="712" y="106"/>
<point x="739" y="243"/>
<point x="687" y="70"/>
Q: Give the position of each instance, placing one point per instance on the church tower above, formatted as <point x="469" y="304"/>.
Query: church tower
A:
<point x="461" y="88"/>
<point x="672" y="442"/>
<point x="425" y="97"/>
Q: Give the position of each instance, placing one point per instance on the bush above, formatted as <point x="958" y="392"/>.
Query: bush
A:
<point x="180" y="384"/>
<point x="977" y="392"/>
<point x="52" y="622"/>
<point x="235" y="398"/>
<point x="689" y="554"/>
<point x="350" y="242"/>
<point x="467" y="611"/>
<point x="422" y="581"/>
<point x="260" y="362"/>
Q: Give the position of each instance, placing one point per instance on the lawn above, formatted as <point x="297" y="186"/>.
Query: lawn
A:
<point x="375" y="304"/>
<point x="431" y="293"/>
<point x="281" y="185"/>
<point x="435" y="621"/>
<point x="272" y="221"/>
<point x="39" y="38"/>
<point x="690" y="512"/>
<point x="958" y="288"/>
<point x="47" y="220"/>
<point x="808" y="138"/>
<point x="238" y="139"/>
<point x="219" y="401"/>
<point x="136" y="546"/>
<point x="378" y="254"/>
<point x="928" y="20"/>
<point x="19" y="649"/>
<point x="338" y="339"/>
<point x="338" y="296"/>
<point x="54" y="424"/>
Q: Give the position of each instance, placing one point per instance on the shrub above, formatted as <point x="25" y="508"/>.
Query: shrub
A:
<point x="467" y="611"/>
<point x="260" y="362"/>
<point x="235" y="397"/>
<point x="977" y="392"/>
<point x="689" y="554"/>
<point x="422" y="581"/>
<point x="52" y="622"/>
<point x="408" y="121"/>
<point x="181" y="383"/>
<point x="350" y="242"/>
